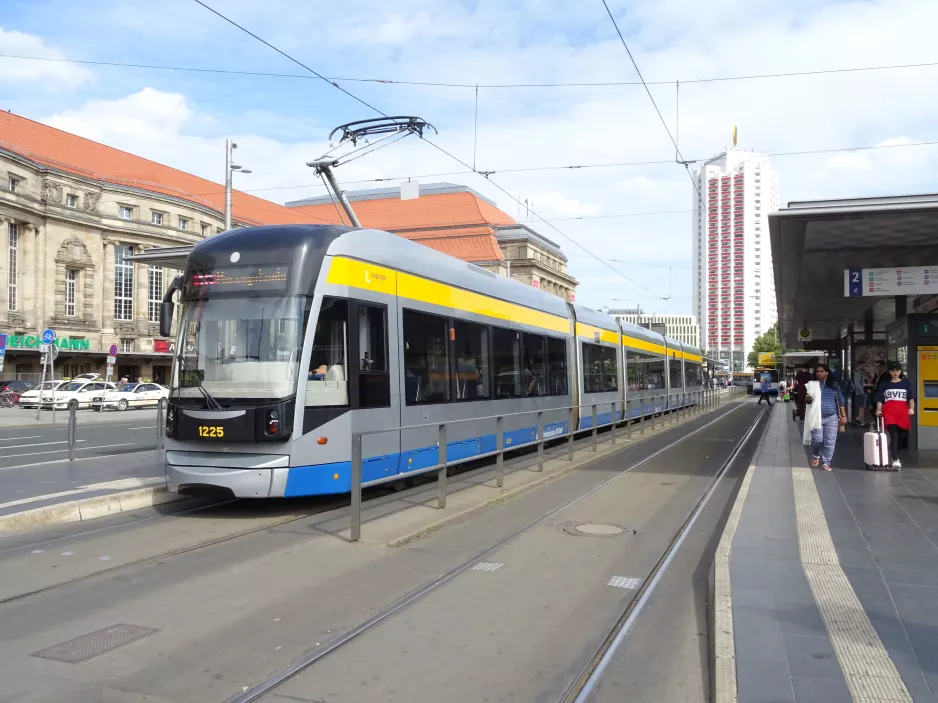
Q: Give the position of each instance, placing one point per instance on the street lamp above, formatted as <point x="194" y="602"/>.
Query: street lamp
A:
<point x="229" y="169"/>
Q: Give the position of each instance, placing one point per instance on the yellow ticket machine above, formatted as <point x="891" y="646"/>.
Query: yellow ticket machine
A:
<point x="927" y="407"/>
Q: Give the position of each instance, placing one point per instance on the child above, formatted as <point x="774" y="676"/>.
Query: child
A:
<point x="895" y="403"/>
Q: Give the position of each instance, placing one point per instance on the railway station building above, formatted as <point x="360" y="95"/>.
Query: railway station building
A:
<point x="75" y="214"/>
<point x="857" y="282"/>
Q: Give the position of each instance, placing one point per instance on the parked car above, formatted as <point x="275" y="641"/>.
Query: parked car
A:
<point x="77" y="394"/>
<point x="132" y="395"/>
<point x="30" y="399"/>
<point x="15" y="388"/>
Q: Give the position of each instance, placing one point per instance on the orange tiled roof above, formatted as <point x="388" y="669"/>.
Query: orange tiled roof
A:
<point x="458" y="224"/>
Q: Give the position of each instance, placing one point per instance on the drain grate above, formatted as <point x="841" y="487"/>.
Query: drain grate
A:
<point x="88" y="646"/>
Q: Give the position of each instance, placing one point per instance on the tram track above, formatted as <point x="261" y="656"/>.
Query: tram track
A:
<point x="338" y="503"/>
<point x="317" y="655"/>
<point x="583" y="686"/>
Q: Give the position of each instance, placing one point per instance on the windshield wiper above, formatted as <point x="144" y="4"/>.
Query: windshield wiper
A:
<point x="210" y="402"/>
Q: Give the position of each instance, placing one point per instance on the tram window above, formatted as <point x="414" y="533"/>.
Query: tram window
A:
<point x="327" y="379"/>
<point x="506" y="362"/>
<point x="556" y="366"/>
<point x="654" y="374"/>
<point x="692" y="375"/>
<point x="426" y="358"/>
<point x="473" y="374"/>
<point x="635" y="371"/>
<point x="374" y="381"/>
<point x="674" y="374"/>
<point x="599" y="369"/>
<point x="535" y="365"/>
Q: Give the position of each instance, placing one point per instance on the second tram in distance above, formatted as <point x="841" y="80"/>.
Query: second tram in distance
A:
<point x="294" y="337"/>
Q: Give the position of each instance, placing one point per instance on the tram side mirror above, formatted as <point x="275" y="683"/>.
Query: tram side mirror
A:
<point x="166" y="318"/>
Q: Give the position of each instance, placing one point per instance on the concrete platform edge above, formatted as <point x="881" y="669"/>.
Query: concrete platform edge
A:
<point x="722" y="636"/>
<point x="87" y="508"/>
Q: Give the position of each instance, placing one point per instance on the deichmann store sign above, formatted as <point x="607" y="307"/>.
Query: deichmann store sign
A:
<point x="30" y="341"/>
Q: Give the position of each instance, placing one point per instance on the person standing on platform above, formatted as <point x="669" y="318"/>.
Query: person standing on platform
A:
<point x="764" y="391"/>
<point x="802" y="377"/>
<point x="833" y="417"/>
<point x="895" y="403"/>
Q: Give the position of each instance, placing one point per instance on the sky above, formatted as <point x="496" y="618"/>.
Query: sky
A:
<point x="625" y="229"/>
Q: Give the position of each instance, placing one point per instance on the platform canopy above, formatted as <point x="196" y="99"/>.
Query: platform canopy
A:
<point x="170" y="257"/>
<point x="813" y="243"/>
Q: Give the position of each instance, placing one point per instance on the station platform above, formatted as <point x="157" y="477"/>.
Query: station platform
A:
<point x="826" y="583"/>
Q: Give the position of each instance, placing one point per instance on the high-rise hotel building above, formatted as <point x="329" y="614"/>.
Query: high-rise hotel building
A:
<point x="734" y="286"/>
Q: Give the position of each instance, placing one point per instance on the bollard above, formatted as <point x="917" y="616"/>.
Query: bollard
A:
<point x="441" y="476"/>
<point x="628" y="425"/>
<point x="159" y="425"/>
<point x="500" y="448"/>
<point x="612" y="428"/>
<point x="72" y="426"/>
<point x="595" y="428"/>
<point x="540" y="441"/>
<point x="571" y="432"/>
<point x="356" y="487"/>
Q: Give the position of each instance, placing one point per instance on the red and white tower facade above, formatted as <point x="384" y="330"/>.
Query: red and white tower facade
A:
<point x="734" y="285"/>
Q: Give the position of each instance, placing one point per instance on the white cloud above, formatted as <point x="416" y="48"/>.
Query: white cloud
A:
<point x="850" y="161"/>
<point x="50" y="74"/>
<point x="555" y="204"/>
<point x="538" y="41"/>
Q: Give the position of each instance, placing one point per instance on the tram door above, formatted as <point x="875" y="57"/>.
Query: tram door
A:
<point x="375" y="354"/>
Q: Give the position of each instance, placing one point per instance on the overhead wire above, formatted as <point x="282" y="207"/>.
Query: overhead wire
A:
<point x="428" y="141"/>
<point x="444" y="84"/>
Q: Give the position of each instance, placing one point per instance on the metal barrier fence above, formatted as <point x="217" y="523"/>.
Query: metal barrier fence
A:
<point x="73" y="429"/>
<point x="694" y="403"/>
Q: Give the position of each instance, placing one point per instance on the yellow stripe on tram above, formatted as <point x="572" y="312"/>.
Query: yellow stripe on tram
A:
<point x="589" y="332"/>
<point x="358" y="274"/>
<point x="641" y="344"/>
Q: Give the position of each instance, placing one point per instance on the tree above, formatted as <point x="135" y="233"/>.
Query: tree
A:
<point x="767" y="342"/>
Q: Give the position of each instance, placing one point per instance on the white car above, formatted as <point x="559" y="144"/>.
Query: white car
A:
<point x="30" y="399"/>
<point x="132" y="395"/>
<point x="76" y="394"/>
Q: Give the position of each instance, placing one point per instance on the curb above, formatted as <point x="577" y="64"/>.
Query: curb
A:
<point x="87" y="508"/>
<point x="722" y="639"/>
<point x="507" y="494"/>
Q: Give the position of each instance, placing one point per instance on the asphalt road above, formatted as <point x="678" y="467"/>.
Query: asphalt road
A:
<point x="245" y="608"/>
<point x="110" y="447"/>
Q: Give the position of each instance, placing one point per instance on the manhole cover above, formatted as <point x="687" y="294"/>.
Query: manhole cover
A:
<point x="595" y="529"/>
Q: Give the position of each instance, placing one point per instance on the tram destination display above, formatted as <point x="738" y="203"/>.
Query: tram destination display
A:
<point x="238" y="278"/>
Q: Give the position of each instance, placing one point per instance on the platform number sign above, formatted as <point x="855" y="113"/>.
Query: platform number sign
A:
<point x="855" y="283"/>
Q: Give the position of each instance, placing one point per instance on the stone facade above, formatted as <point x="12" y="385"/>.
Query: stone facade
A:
<point x="536" y="261"/>
<point x="59" y="234"/>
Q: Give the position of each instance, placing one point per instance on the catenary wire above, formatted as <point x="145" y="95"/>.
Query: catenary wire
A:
<point x="442" y="84"/>
<point x="433" y="144"/>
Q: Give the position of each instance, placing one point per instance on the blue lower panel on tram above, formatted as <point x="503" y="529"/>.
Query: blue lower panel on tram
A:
<point x="586" y="422"/>
<point x="324" y="479"/>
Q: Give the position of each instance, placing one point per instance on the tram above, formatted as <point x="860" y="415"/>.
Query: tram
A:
<point x="292" y="338"/>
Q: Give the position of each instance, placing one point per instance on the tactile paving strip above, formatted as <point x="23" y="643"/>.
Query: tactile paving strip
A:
<point x="871" y="674"/>
<point x="88" y="646"/>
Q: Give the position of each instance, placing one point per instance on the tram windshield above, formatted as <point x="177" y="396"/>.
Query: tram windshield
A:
<point x="240" y="347"/>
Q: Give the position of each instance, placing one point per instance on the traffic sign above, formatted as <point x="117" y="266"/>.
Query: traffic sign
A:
<point x="112" y="350"/>
<point x="111" y="360"/>
<point x="48" y="336"/>
<point x="3" y="342"/>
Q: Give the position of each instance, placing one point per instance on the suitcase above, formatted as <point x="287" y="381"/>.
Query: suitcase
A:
<point x="876" y="447"/>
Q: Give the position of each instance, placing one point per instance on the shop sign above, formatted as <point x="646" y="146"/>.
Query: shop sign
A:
<point x="31" y="341"/>
<point x="164" y="346"/>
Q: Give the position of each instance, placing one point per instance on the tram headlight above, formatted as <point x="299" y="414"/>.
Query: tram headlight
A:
<point x="273" y="422"/>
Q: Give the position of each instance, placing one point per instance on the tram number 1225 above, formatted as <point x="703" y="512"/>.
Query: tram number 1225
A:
<point x="216" y="432"/>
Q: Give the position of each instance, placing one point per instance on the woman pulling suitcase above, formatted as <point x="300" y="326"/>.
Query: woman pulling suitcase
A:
<point x="895" y="403"/>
